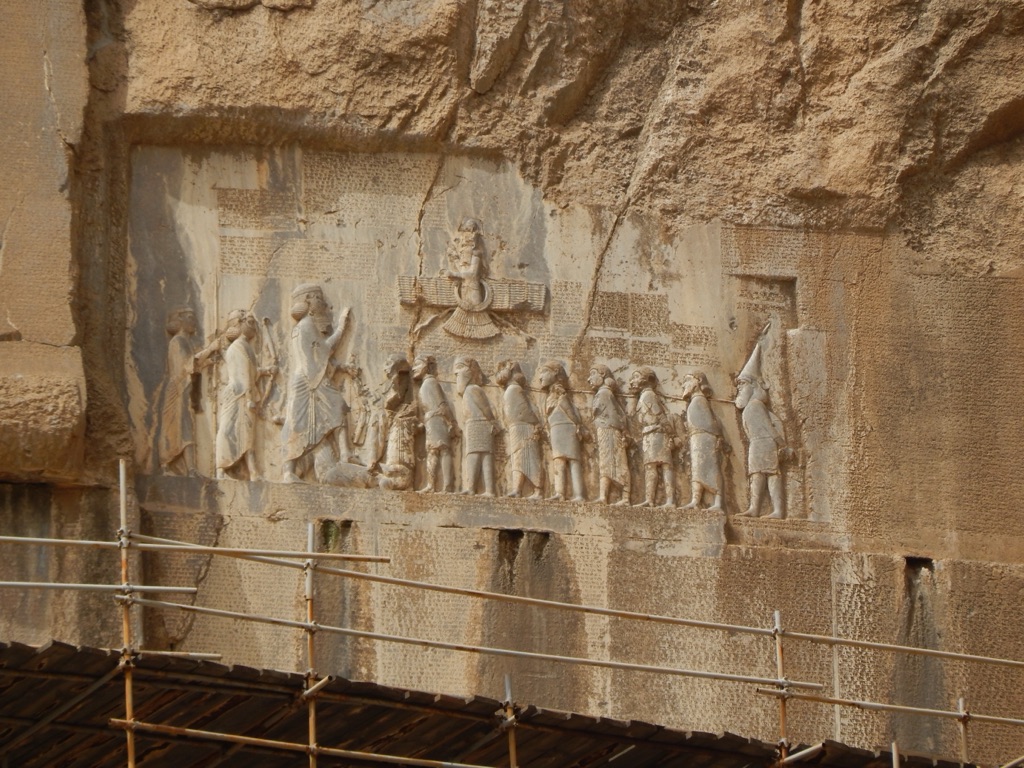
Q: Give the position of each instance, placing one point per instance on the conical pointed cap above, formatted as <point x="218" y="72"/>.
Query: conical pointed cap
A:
<point x="752" y="370"/>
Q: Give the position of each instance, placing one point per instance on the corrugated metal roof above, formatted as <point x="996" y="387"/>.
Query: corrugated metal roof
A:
<point x="36" y="682"/>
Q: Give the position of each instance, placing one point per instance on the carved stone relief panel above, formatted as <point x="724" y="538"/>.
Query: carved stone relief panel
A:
<point x="309" y="254"/>
<point x="413" y="322"/>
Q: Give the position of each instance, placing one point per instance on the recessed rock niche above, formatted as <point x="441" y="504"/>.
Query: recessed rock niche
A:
<point x="429" y="323"/>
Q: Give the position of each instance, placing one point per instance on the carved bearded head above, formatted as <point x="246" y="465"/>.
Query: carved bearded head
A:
<point x="308" y="299"/>
<point x="694" y="383"/>
<point x="643" y="378"/>
<point x="601" y="375"/>
<point x="181" y="320"/>
<point x="424" y="366"/>
<point x="467" y="371"/>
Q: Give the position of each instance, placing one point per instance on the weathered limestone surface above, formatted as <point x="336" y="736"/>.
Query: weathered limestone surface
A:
<point x="823" y="197"/>
<point x="42" y="411"/>
<point x="43" y="89"/>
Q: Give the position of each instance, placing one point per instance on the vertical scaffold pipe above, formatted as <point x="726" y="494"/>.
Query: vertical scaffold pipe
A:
<point x="310" y="646"/>
<point x="780" y="673"/>
<point x="964" y="717"/>
<point x="126" y="615"/>
<point x="510" y="721"/>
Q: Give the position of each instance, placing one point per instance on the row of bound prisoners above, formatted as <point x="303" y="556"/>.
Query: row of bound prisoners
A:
<point x="413" y="430"/>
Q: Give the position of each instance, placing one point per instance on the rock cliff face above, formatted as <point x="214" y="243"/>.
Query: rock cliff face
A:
<point x="765" y="113"/>
<point x="824" y="197"/>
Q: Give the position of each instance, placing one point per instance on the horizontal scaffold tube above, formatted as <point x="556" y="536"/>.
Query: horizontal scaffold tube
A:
<point x="304" y="625"/>
<point x="908" y="649"/>
<point x="501" y="597"/>
<point x="97" y="587"/>
<point x="176" y="546"/>
<point x="287" y="746"/>
<point x="636" y="616"/>
<point x="901" y="708"/>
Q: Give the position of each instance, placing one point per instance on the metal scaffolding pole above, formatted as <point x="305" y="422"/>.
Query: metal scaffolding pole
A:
<point x="287" y="746"/>
<point x="804" y="754"/>
<point x="965" y="716"/>
<point x="153" y="544"/>
<point x="499" y="596"/>
<point x="311" y="681"/>
<point x="127" y="660"/>
<point x="127" y="596"/>
<point x="509" y="723"/>
<point x="143" y="546"/>
<point x="481" y="649"/>
<point x="780" y="672"/>
<point x="953" y="655"/>
<point x="118" y="588"/>
<point x="881" y="707"/>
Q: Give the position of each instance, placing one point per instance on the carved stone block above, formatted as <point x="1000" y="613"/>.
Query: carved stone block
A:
<point x="42" y="412"/>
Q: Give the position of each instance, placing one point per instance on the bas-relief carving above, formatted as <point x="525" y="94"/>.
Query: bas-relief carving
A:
<point x="176" y="430"/>
<point x="316" y="446"/>
<point x="439" y="426"/>
<point x="394" y="449"/>
<point x="565" y="432"/>
<point x="240" y="399"/>
<point x="523" y="432"/>
<point x="478" y="428"/>
<point x="315" y="437"/>
<point x="315" y="434"/>
<point x="410" y="435"/>
<point x="766" y="439"/>
<point x="705" y="443"/>
<point x="471" y="301"/>
<point x="611" y="428"/>
<point x="657" y="438"/>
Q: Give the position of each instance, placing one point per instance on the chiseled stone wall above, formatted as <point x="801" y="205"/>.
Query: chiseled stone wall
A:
<point x="695" y="565"/>
<point x="823" y="196"/>
<point x="43" y="89"/>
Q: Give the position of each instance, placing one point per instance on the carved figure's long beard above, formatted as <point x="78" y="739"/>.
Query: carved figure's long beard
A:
<point x="323" y="322"/>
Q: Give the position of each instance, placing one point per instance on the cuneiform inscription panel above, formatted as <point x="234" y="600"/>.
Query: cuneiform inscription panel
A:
<point x="258" y="209"/>
<point x="771" y="252"/>
<point x="642" y="314"/>
<point x="362" y="189"/>
<point x="606" y="348"/>
<point x="297" y="258"/>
